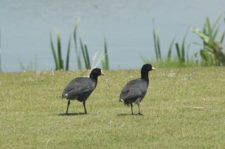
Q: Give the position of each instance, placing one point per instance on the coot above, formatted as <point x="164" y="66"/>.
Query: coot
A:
<point x="81" y="88"/>
<point x="135" y="90"/>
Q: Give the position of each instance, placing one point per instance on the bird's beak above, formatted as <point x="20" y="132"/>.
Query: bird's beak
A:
<point x="153" y="68"/>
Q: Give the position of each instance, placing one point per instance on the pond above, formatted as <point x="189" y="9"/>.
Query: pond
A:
<point x="25" y="27"/>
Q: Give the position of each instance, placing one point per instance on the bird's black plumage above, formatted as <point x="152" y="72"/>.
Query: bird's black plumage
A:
<point x="135" y="90"/>
<point x="81" y="88"/>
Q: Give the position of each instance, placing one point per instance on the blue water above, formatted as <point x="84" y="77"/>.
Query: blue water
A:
<point x="126" y="24"/>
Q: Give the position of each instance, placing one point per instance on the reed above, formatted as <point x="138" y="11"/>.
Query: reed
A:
<point x="169" y="54"/>
<point x="212" y="51"/>
<point x="77" y="50"/>
<point x="68" y="54"/>
<point x="57" y="54"/>
<point x="181" y="50"/>
<point x="157" y="47"/>
<point x="82" y="52"/>
<point x="85" y="54"/>
<point x="105" y="57"/>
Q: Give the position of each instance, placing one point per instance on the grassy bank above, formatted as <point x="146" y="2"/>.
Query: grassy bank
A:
<point x="184" y="108"/>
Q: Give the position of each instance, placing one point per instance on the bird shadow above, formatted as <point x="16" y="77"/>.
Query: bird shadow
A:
<point x="126" y="114"/>
<point x="71" y="114"/>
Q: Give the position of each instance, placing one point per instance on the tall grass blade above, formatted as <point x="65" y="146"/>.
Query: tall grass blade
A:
<point x="183" y="48"/>
<point x="155" y="45"/>
<point x="78" y="54"/>
<point x="105" y="60"/>
<point x="158" y="45"/>
<point x="216" y="27"/>
<point x="60" y="60"/>
<point x="68" y="55"/>
<point x="156" y="38"/>
<point x="209" y="28"/>
<point x="215" y="34"/>
<point x="85" y="54"/>
<point x="87" y="57"/>
<point x="54" y="53"/>
<point x="222" y="37"/>
<point x="170" y="49"/>
<point x="106" y="55"/>
<point x="178" y="51"/>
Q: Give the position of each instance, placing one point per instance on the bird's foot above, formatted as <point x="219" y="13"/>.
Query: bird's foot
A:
<point x="139" y="114"/>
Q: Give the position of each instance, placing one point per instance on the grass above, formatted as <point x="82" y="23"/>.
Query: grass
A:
<point x="184" y="108"/>
<point x="173" y="63"/>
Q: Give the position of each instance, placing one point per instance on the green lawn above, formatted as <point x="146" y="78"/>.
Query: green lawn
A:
<point x="184" y="108"/>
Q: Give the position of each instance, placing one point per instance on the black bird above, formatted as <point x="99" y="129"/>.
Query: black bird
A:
<point x="81" y="88"/>
<point x="135" y="90"/>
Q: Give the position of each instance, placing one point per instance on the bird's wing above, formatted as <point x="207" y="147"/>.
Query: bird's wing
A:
<point x="79" y="86"/>
<point x="133" y="89"/>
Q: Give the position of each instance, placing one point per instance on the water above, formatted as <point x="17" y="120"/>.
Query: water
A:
<point x="126" y="24"/>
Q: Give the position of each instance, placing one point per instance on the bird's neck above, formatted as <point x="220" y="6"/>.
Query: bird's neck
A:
<point x="94" y="77"/>
<point x="144" y="76"/>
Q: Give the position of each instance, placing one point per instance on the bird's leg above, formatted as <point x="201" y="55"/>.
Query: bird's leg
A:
<point x="139" y="109"/>
<point x="131" y="106"/>
<point x="85" y="110"/>
<point x="68" y="104"/>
